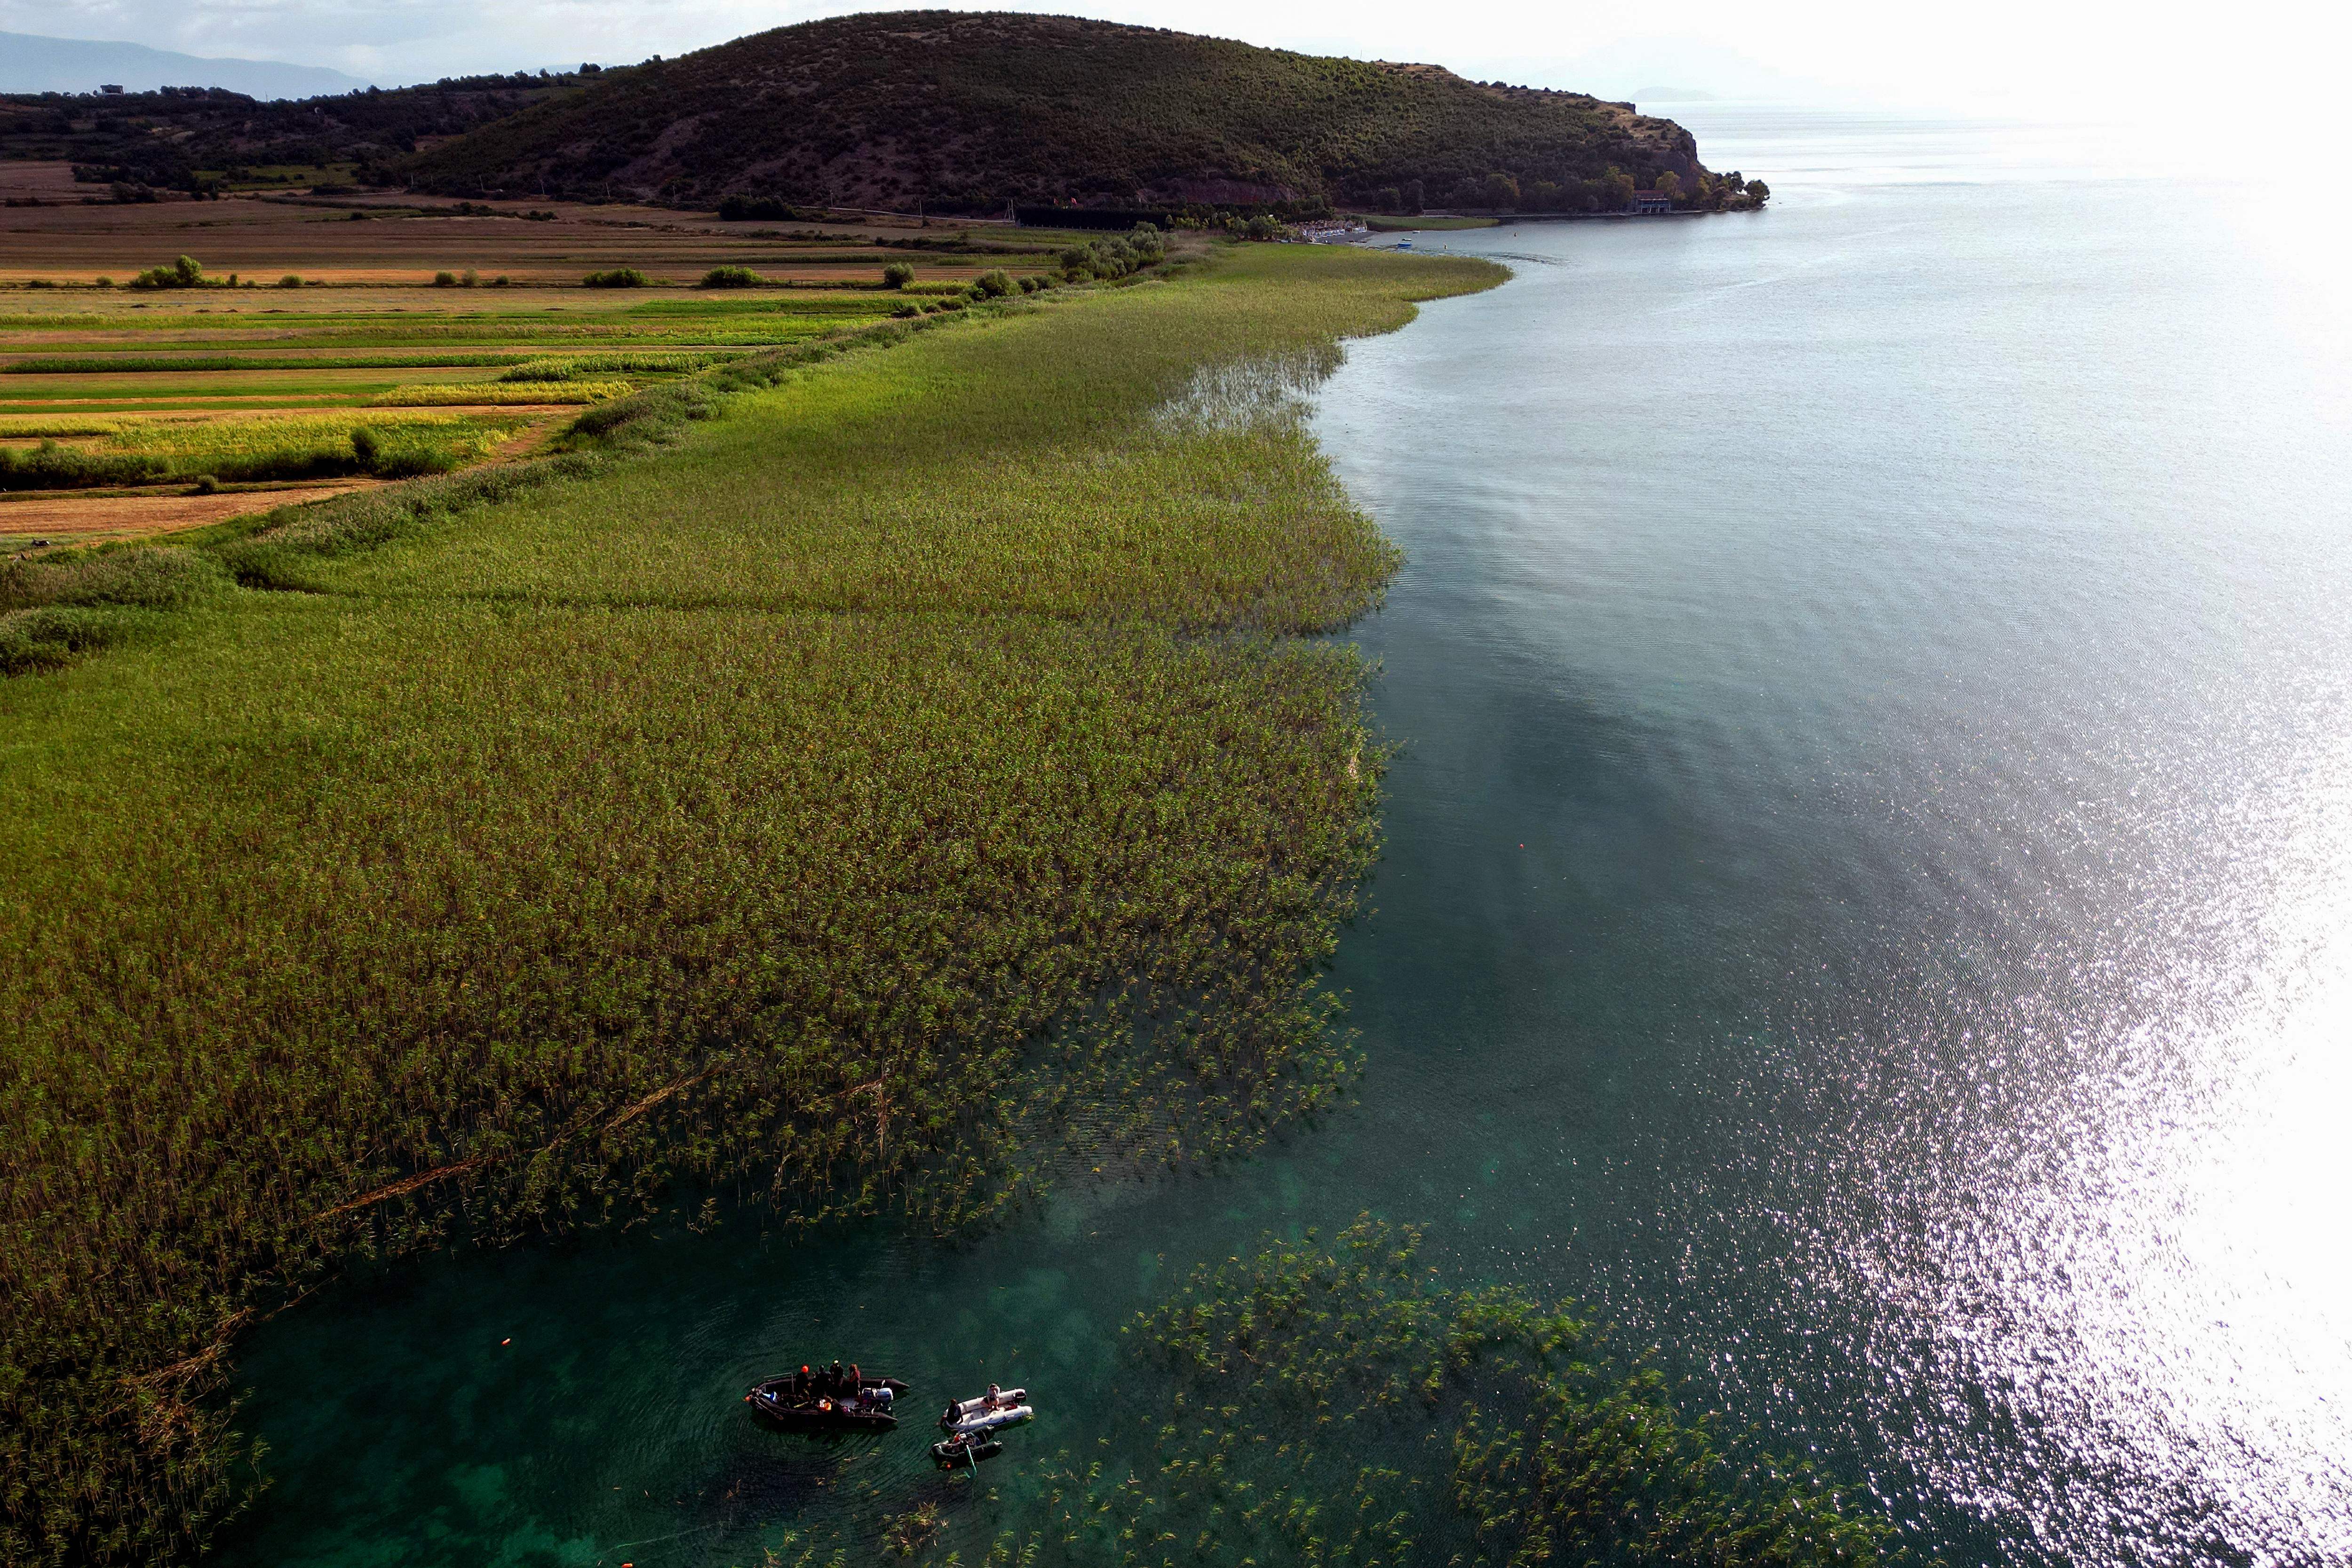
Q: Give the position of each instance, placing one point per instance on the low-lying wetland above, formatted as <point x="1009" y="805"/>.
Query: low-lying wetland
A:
<point x="821" y="781"/>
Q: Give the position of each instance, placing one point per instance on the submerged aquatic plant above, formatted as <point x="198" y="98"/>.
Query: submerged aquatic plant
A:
<point x="1316" y="1404"/>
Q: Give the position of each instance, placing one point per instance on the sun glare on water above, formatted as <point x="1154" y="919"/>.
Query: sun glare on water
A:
<point x="2171" y="1309"/>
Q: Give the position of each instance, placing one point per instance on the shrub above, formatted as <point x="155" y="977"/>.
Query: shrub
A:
<point x="445" y="280"/>
<point x="731" y="277"/>
<point x="753" y="209"/>
<point x="909" y="309"/>
<point x="291" y="280"/>
<point x="499" y="281"/>
<point x="105" y="282"/>
<point x="897" y="274"/>
<point x="471" y="278"/>
<point x="32" y="641"/>
<point x="206" y="485"/>
<point x="994" y="284"/>
<point x="49" y="466"/>
<point x="617" y="278"/>
<point x="186" y="273"/>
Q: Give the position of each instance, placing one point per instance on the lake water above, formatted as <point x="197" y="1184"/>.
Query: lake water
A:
<point x="1868" y="908"/>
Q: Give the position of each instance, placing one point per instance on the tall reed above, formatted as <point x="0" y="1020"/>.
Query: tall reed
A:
<point x="902" y="769"/>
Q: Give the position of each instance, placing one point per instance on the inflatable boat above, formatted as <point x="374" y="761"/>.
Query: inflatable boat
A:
<point x="991" y="1412"/>
<point x="807" y="1401"/>
<point x="965" y="1453"/>
<point x="995" y="1399"/>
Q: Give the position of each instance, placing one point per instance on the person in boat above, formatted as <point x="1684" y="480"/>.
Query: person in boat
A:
<point x="995" y="1396"/>
<point x="856" y="1381"/>
<point x="834" y="1385"/>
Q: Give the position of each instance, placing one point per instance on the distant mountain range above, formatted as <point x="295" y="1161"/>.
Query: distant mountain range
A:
<point x="30" y="63"/>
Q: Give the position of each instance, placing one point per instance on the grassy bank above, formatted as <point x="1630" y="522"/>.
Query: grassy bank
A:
<point x="839" y="803"/>
<point x="1388" y="224"/>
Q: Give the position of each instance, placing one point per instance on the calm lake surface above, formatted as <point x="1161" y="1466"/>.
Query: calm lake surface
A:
<point x="1868" y="908"/>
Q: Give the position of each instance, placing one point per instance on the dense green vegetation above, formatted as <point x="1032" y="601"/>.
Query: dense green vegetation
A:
<point x="199" y="138"/>
<point x="972" y="111"/>
<point x="829" y="802"/>
<point x="1309" y="1383"/>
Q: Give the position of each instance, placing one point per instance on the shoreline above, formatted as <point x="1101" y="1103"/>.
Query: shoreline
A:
<point x="1285" y="786"/>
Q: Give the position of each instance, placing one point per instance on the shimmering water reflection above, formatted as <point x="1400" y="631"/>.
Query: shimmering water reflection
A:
<point x="1909" y="646"/>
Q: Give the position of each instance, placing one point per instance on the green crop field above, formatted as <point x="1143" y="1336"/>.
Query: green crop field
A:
<point x="231" y="351"/>
<point x="263" y="447"/>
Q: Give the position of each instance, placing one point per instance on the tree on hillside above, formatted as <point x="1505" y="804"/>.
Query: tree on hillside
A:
<point x="1412" y="196"/>
<point x="1500" y="192"/>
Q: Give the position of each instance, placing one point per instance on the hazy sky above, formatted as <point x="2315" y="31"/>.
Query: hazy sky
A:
<point x="2277" y="60"/>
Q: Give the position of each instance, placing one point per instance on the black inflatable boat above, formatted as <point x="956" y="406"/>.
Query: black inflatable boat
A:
<point x="820" y="1402"/>
<point x="962" y="1451"/>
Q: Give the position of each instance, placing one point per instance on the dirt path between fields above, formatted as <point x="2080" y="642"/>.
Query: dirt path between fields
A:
<point x="69" y="518"/>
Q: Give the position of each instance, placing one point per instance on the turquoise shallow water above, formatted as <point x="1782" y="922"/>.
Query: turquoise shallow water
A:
<point x="1868" y="908"/>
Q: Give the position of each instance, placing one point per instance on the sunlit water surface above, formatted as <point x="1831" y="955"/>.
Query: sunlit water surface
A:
<point x="1868" y="908"/>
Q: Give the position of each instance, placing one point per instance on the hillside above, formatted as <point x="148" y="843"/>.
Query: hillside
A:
<point x="164" y="137"/>
<point x="965" y="112"/>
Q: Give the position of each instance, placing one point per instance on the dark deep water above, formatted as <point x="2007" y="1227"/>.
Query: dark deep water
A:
<point x="1868" y="907"/>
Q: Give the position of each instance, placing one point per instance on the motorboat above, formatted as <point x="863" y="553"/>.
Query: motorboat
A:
<point x="823" y="1401"/>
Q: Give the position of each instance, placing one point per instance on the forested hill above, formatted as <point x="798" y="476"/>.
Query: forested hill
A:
<point x="165" y="138"/>
<point x="968" y="112"/>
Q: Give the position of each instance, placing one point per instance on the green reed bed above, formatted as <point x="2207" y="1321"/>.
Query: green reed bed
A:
<point x="1319" y="1404"/>
<point x="900" y="762"/>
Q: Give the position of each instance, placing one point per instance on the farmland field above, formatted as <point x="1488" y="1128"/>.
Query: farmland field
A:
<point x="313" y="304"/>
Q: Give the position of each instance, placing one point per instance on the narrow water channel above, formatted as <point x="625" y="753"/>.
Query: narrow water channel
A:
<point x="1868" y="908"/>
